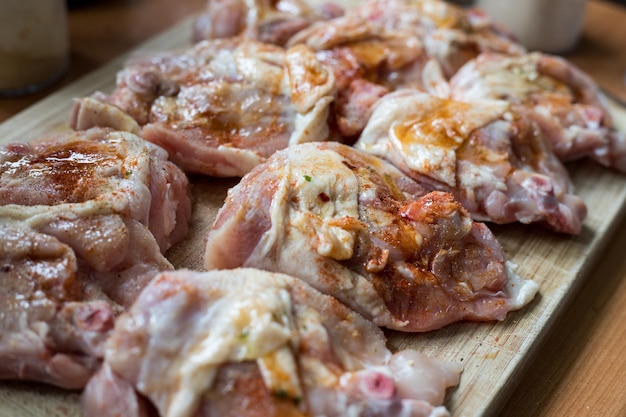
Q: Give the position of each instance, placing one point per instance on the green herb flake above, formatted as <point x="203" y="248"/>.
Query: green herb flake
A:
<point x="308" y="178"/>
<point x="282" y="394"/>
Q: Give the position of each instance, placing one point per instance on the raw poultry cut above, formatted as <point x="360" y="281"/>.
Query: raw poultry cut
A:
<point x="385" y="45"/>
<point x="269" y="21"/>
<point x="355" y="227"/>
<point x="564" y="101"/>
<point x="374" y="48"/>
<point x="49" y="331"/>
<point x="221" y="107"/>
<point x="84" y="219"/>
<point x="498" y="164"/>
<point x="246" y="342"/>
<point x="449" y="34"/>
<point x="369" y="62"/>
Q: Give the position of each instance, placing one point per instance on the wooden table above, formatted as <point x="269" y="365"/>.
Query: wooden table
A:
<point x="580" y="369"/>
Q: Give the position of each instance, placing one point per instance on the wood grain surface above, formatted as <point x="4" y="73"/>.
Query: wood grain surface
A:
<point x="496" y="356"/>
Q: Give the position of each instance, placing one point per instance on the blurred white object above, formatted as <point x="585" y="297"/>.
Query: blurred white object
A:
<point x="544" y="25"/>
<point x="34" y="44"/>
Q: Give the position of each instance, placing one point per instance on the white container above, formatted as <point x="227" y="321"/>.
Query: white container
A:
<point x="34" y="44"/>
<point x="552" y="26"/>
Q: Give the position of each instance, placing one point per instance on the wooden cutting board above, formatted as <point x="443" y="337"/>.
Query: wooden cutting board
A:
<point x="493" y="354"/>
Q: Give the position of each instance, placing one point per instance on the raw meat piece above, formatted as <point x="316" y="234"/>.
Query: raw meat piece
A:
<point x="358" y="46"/>
<point x="353" y="107"/>
<point x="446" y="32"/>
<point x="267" y="21"/>
<point x="46" y="334"/>
<point x="97" y="171"/>
<point x="84" y="218"/>
<point x="367" y="64"/>
<point x="246" y="342"/>
<point x="497" y="164"/>
<point x="384" y="45"/>
<point x="355" y="227"/>
<point x="88" y="112"/>
<point x="221" y="107"/>
<point x="562" y="99"/>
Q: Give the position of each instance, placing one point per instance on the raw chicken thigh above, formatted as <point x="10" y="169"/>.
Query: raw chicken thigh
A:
<point x="385" y="45"/>
<point x="355" y="227"/>
<point x="270" y="21"/>
<point x="368" y="62"/>
<point x="246" y="342"/>
<point x="565" y="102"/>
<point x="448" y="33"/>
<point x="497" y="164"/>
<point x="84" y="219"/>
<point x="221" y="107"/>
<point x="94" y="172"/>
<point x="48" y="332"/>
<point x="386" y="57"/>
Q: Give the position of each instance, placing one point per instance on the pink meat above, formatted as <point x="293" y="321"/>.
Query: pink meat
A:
<point x="264" y="20"/>
<point x="84" y="219"/>
<point x="500" y="166"/>
<point x="220" y="107"/>
<point x="48" y="333"/>
<point x="356" y="228"/>
<point x="447" y="33"/>
<point x="246" y="342"/>
<point x="563" y="100"/>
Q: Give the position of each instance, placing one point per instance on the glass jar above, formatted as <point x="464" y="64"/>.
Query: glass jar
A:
<point x="34" y="45"/>
<point x="544" y="25"/>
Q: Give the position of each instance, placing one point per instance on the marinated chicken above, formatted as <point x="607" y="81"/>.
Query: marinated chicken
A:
<point x="389" y="58"/>
<point x="385" y="45"/>
<point x="356" y="228"/>
<point x="447" y="33"/>
<point x="369" y="63"/>
<point x="269" y="21"/>
<point x="498" y="164"/>
<point x="246" y="342"/>
<point x="220" y="107"/>
<point x="564" y="101"/>
<point x="48" y="333"/>
<point x="84" y="219"/>
<point x="376" y="47"/>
